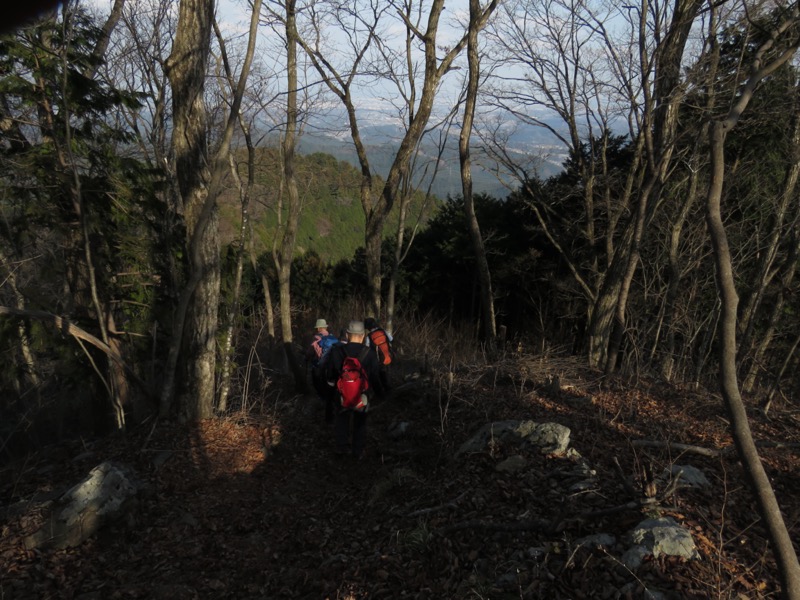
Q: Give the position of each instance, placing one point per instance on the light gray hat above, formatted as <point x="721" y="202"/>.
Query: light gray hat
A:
<point x="356" y="327"/>
<point x="321" y="324"/>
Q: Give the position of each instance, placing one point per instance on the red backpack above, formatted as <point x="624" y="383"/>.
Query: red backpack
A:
<point x="353" y="381"/>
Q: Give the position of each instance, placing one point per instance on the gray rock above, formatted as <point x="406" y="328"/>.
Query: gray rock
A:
<point x="398" y="429"/>
<point x="102" y="497"/>
<point x="659" y="537"/>
<point x="583" y="468"/>
<point x="536" y="551"/>
<point x="550" y="438"/>
<point x="507" y="581"/>
<point x="580" y="401"/>
<point x="636" y="590"/>
<point x="512" y="464"/>
<point x="690" y="476"/>
<point x="605" y="540"/>
<point x="583" y="486"/>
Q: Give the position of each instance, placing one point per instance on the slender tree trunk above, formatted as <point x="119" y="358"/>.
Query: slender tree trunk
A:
<point x="434" y="70"/>
<point x="785" y="555"/>
<point x="659" y="127"/>
<point x="293" y="199"/>
<point x="764" y="273"/>
<point x="244" y="192"/>
<point x="268" y="312"/>
<point x="484" y="276"/>
<point x="117" y="388"/>
<point x="244" y="229"/>
<point x="765" y="339"/>
<point x="632" y="253"/>
<point x="28" y="357"/>
<point x="398" y="255"/>
<point x="673" y="286"/>
<point x="777" y="381"/>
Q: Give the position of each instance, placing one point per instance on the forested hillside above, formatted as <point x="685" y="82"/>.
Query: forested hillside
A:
<point x="333" y="222"/>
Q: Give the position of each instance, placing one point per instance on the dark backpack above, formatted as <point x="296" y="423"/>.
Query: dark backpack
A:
<point x="353" y="381"/>
<point x="322" y="345"/>
<point x="380" y="340"/>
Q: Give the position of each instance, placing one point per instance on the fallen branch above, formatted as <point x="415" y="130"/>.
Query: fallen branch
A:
<point x="778" y="445"/>
<point x="427" y="511"/>
<point x="536" y="525"/>
<point x="625" y="483"/>
<point x="603" y="512"/>
<point x="710" y="452"/>
<point x="68" y="328"/>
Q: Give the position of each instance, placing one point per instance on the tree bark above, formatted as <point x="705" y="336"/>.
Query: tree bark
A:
<point x="196" y="319"/>
<point x="785" y="555"/>
<point x="659" y="128"/>
<point x="489" y="325"/>
<point x="190" y="366"/>
<point x="667" y="363"/>
<point x="244" y="196"/>
<point x="759" y="353"/>
<point x="293" y="198"/>
<point x="749" y="348"/>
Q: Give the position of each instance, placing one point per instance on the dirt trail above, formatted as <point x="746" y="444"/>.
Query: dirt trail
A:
<point x="264" y="508"/>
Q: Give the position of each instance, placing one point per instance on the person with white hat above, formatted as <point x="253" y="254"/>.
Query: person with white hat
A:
<point x="316" y="355"/>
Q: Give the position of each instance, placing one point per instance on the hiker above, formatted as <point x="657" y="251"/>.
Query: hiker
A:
<point x="381" y="341"/>
<point x="352" y="371"/>
<point x="316" y="354"/>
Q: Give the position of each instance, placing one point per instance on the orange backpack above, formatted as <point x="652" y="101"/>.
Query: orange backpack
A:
<point x="380" y="340"/>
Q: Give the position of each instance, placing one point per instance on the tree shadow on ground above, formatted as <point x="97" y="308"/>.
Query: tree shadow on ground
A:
<point x="247" y="507"/>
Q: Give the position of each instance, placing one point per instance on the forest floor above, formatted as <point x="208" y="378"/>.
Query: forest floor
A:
<point x="259" y="506"/>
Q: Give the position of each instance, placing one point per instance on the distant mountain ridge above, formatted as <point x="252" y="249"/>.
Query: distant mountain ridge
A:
<point x="381" y="137"/>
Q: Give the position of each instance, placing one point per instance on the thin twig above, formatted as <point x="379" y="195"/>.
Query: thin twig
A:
<point x="425" y="511"/>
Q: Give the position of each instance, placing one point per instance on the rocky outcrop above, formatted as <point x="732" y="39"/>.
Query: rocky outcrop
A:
<point x="104" y="496"/>
<point x="549" y="438"/>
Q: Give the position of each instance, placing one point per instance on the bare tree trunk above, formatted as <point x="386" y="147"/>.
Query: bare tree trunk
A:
<point x="117" y="388"/>
<point x="376" y="210"/>
<point x="769" y="254"/>
<point x="484" y="276"/>
<point x="244" y="229"/>
<point x="270" y="315"/>
<point x="398" y="254"/>
<point x="28" y="357"/>
<point x="244" y="196"/>
<point x="402" y="248"/>
<point x="195" y="321"/>
<point x="673" y="286"/>
<point x="740" y="428"/>
<point x="777" y="382"/>
<point x="293" y="198"/>
<point x="765" y="339"/>
<point x="785" y="555"/>
<point x="662" y="111"/>
<point x="102" y="44"/>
